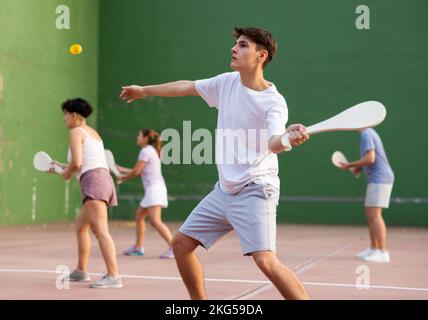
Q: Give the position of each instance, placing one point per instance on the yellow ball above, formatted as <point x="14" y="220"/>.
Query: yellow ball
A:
<point x="76" y="49"/>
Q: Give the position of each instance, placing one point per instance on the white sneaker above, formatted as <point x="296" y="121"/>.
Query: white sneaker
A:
<point x="107" y="281"/>
<point x="169" y="254"/>
<point x="378" y="256"/>
<point x="365" y="253"/>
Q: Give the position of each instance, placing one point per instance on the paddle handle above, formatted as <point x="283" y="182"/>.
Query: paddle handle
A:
<point x="285" y="140"/>
<point x="58" y="169"/>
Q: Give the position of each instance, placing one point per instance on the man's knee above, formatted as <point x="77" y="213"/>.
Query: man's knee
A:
<point x="266" y="261"/>
<point x="182" y="244"/>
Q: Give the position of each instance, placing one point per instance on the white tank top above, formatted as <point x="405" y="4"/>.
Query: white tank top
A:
<point x="93" y="155"/>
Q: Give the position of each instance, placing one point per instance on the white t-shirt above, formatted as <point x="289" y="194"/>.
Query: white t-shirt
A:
<point x="152" y="173"/>
<point x="255" y="116"/>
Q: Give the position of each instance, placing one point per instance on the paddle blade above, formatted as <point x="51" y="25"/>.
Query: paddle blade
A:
<point x="111" y="163"/>
<point x="42" y="161"/>
<point x="363" y="115"/>
<point x="337" y="158"/>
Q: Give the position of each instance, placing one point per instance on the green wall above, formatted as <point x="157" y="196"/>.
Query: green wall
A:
<point x="324" y="64"/>
<point x="38" y="74"/>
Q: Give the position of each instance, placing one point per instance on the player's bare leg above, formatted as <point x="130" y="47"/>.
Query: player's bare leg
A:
<point x="373" y="243"/>
<point x="189" y="265"/>
<point x="155" y="214"/>
<point x="96" y="212"/>
<point x="140" y="215"/>
<point x="83" y="241"/>
<point x="378" y="225"/>
<point x="285" y="280"/>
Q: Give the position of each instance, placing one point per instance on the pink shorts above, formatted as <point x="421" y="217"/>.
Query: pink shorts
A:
<point x="97" y="184"/>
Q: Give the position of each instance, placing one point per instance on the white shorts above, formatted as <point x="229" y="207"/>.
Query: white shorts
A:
<point x="378" y="195"/>
<point x="251" y="213"/>
<point x="155" y="196"/>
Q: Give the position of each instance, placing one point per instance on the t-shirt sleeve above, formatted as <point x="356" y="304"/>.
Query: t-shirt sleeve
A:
<point x="276" y="119"/>
<point x="367" y="143"/>
<point x="144" y="155"/>
<point x="209" y="89"/>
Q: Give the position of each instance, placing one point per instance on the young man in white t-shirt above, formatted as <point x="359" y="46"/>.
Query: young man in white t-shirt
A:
<point x="254" y="114"/>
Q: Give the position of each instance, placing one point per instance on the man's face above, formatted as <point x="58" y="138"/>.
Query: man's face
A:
<point x="245" y="55"/>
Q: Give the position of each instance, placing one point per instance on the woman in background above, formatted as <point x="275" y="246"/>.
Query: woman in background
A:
<point x="155" y="198"/>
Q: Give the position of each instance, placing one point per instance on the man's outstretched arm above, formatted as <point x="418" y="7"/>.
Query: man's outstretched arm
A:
<point x="171" y="89"/>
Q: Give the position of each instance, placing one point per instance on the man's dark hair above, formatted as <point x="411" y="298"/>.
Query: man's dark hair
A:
<point x="262" y="38"/>
<point x="77" y="105"/>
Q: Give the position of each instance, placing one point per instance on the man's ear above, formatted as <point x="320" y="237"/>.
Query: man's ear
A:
<point x="263" y="55"/>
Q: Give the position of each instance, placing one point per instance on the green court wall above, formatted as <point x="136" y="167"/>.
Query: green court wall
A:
<point x="324" y="64"/>
<point x="38" y="74"/>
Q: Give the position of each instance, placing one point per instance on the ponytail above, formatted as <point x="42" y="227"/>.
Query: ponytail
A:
<point x="154" y="139"/>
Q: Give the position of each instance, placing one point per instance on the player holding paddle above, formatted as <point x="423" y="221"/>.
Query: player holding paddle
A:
<point x="87" y="161"/>
<point x="380" y="182"/>
<point x="247" y="194"/>
<point x="155" y="198"/>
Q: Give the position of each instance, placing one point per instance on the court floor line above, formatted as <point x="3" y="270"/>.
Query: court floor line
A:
<point x="298" y="270"/>
<point x="326" y="284"/>
<point x="312" y="262"/>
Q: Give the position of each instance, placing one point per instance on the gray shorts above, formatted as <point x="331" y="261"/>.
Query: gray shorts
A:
<point x="251" y="213"/>
<point x="378" y="195"/>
